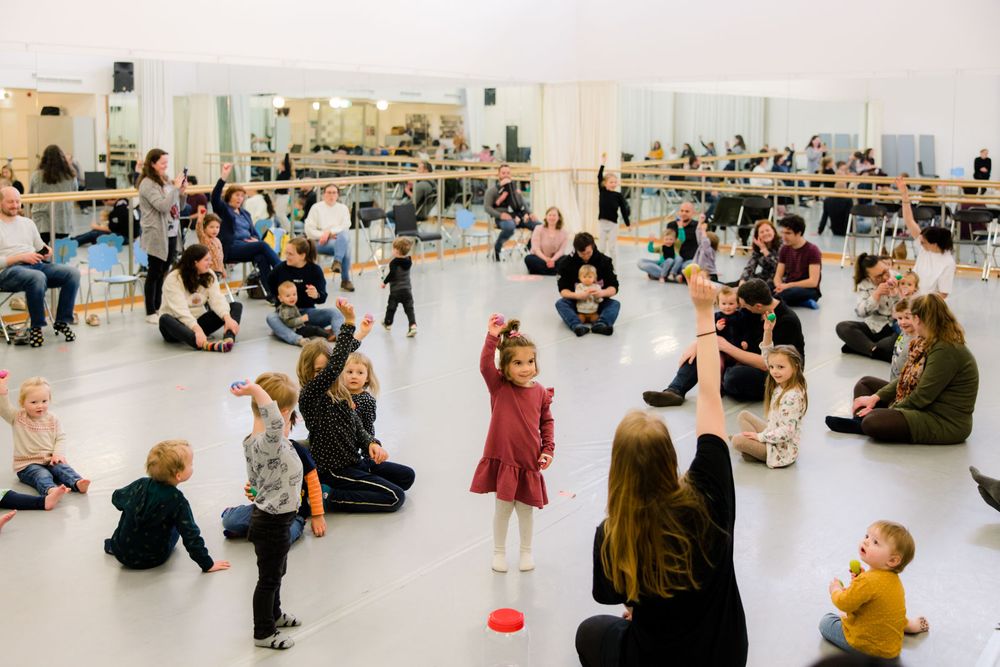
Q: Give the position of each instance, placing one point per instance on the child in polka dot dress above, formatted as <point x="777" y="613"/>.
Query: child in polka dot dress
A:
<point x="361" y="383"/>
<point x="520" y="441"/>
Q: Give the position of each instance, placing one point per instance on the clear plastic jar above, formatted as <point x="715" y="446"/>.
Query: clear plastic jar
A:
<point x="506" y="642"/>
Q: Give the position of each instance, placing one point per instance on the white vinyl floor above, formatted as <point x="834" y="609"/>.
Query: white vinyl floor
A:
<point x="415" y="587"/>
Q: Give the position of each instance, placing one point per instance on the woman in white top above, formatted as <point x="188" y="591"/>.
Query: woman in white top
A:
<point x="193" y="306"/>
<point x="327" y="224"/>
<point x="935" y="262"/>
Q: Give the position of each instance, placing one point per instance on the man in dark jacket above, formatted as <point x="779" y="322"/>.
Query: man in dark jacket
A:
<point x="586" y="253"/>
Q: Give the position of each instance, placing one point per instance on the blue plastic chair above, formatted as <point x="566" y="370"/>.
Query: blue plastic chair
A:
<point x="64" y="250"/>
<point x="141" y="256"/>
<point x="465" y="220"/>
<point x="103" y="259"/>
<point x="277" y="235"/>
<point x="116" y="240"/>
<point x="262" y="226"/>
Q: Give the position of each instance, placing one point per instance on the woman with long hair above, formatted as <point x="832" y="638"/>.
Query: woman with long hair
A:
<point x="932" y="400"/>
<point x="193" y="306"/>
<point x="874" y="336"/>
<point x="548" y="244"/>
<point x="765" y="243"/>
<point x="54" y="174"/>
<point x="665" y="550"/>
<point x="160" y="204"/>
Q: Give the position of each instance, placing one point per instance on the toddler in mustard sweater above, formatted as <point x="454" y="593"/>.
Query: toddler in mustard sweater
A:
<point x="873" y="607"/>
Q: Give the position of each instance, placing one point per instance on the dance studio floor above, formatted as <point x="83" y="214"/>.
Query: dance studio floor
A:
<point x="415" y="587"/>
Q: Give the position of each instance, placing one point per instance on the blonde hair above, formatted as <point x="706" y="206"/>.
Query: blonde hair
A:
<point x="306" y="369"/>
<point x="658" y="527"/>
<point x="588" y="270"/>
<point x="797" y="381"/>
<point x="713" y="240"/>
<point x="32" y="383"/>
<point x="939" y="322"/>
<point x="725" y="290"/>
<point x="900" y="539"/>
<point x="371" y="385"/>
<point x="288" y="284"/>
<point x="403" y="245"/>
<point x="281" y="388"/>
<point x="165" y="460"/>
<point x="910" y="273"/>
<point x="511" y="338"/>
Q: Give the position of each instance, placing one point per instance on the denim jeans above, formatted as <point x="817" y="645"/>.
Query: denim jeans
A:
<point x="507" y="228"/>
<point x="236" y="523"/>
<point x="320" y="317"/>
<point x="669" y="267"/>
<point x="607" y="311"/>
<point x="831" y="626"/>
<point x="742" y="383"/>
<point x="367" y="487"/>
<point x="34" y="279"/>
<point x="261" y="254"/>
<point x="796" y="296"/>
<point x="45" y="477"/>
<point x="340" y="248"/>
<point x="269" y="535"/>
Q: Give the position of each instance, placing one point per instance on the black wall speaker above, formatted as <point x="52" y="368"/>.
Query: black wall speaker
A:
<point x="491" y="97"/>
<point x="124" y="78"/>
<point x="50" y="111"/>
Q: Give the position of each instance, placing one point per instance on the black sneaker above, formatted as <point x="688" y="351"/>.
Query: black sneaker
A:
<point x="581" y="330"/>
<point x="845" y="425"/>
<point x="662" y="399"/>
<point x="603" y="329"/>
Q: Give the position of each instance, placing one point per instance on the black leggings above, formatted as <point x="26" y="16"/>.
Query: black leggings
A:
<point x="882" y="423"/>
<point x="12" y="500"/>
<point x="599" y="641"/>
<point x="837" y="210"/>
<point x="404" y="298"/>
<point x="862" y="340"/>
<point x="269" y="535"/>
<point x="155" y="273"/>
<point x="175" y="331"/>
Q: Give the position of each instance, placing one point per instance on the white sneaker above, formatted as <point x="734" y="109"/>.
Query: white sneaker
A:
<point x="412" y="331"/>
<point x="499" y="562"/>
<point x="153" y="319"/>
<point x="527" y="563"/>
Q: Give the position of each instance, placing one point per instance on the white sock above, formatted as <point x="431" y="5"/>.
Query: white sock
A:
<point x="525" y="526"/>
<point x="501" y="520"/>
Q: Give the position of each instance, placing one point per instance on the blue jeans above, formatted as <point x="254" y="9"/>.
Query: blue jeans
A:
<point x="742" y="383"/>
<point x="261" y="254"/>
<point x="669" y="267"/>
<point x="366" y="487"/>
<point x="831" y="626"/>
<point x="236" y="523"/>
<point x="507" y="228"/>
<point x="607" y="312"/>
<point x="48" y="477"/>
<point x="796" y="296"/>
<point x="340" y="248"/>
<point x="319" y="317"/>
<point x="34" y="279"/>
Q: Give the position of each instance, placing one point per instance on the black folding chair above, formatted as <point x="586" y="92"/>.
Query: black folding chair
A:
<point x="406" y="225"/>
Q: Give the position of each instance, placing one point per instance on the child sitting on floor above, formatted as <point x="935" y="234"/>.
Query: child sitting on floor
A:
<point x="874" y="605"/>
<point x="586" y="307"/>
<point x="729" y="320"/>
<point x="776" y="441"/>
<point x="704" y="257"/>
<point x="361" y="383"/>
<point x="38" y="441"/>
<point x="155" y="514"/>
<point x="291" y="317"/>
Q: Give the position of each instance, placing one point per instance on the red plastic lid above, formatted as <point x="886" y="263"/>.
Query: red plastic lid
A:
<point x="506" y="620"/>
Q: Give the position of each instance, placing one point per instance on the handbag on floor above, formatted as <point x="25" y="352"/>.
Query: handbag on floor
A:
<point x="252" y="286"/>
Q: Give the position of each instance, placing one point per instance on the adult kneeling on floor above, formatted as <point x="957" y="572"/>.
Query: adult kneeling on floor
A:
<point x="932" y="400"/>
<point x="569" y="269"/>
<point x="193" y="306"/>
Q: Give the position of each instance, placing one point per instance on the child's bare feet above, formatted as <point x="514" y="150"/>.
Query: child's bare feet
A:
<point x="54" y="496"/>
<point x="82" y="486"/>
<point x="7" y="517"/>
<point x="914" y="626"/>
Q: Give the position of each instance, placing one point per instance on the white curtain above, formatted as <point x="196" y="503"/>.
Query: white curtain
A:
<point x="474" y="112"/>
<point x="718" y="118"/>
<point x="156" y="107"/>
<point x="239" y="125"/>
<point x="873" y="128"/>
<point x="202" y="137"/>
<point x="646" y="116"/>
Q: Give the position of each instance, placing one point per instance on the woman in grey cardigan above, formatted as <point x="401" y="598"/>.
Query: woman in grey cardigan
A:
<point x="54" y="174"/>
<point x="160" y="203"/>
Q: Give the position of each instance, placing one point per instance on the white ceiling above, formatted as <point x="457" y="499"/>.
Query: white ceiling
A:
<point x="476" y="41"/>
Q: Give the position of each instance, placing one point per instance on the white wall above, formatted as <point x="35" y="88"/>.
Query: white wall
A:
<point x="515" y="105"/>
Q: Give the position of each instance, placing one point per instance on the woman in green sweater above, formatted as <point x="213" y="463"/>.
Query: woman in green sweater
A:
<point x="932" y="405"/>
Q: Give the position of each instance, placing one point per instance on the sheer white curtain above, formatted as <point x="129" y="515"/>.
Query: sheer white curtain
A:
<point x="156" y="107"/>
<point x="646" y="116"/>
<point x="718" y="118"/>
<point x="239" y="126"/>
<point x="202" y="137"/>
<point x="474" y="111"/>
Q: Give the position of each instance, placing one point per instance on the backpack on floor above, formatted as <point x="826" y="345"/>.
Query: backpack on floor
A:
<point x="252" y="286"/>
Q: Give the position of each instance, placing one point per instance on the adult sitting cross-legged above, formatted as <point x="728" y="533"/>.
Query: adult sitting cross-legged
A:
<point x="506" y="205"/>
<point x="586" y="252"/>
<point x="25" y="266"/>
<point x="934" y="397"/>
<point x="878" y="295"/>
<point x="240" y="242"/>
<point x="743" y="378"/>
<point x="329" y="224"/>
<point x="800" y="264"/>
<point x="548" y="243"/>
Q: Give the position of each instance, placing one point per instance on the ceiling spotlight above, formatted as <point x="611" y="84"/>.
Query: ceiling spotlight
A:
<point x="315" y="106"/>
<point x="278" y="101"/>
<point x="382" y="105"/>
<point x="334" y="102"/>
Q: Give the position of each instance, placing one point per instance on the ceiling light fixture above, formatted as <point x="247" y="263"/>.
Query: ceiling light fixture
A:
<point x="278" y="101"/>
<point x="382" y="105"/>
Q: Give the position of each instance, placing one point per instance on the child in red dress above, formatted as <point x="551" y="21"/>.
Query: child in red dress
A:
<point x="520" y="442"/>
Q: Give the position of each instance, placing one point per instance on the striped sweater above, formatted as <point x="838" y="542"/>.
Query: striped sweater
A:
<point x="35" y="440"/>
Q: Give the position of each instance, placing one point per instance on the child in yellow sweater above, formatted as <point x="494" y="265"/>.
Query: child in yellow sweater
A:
<point x="874" y="605"/>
